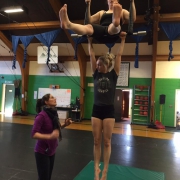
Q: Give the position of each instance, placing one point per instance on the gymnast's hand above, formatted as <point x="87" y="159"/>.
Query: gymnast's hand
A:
<point x="68" y="121"/>
<point x="123" y="35"/>
<point x="90" y="39"/>
<point x="86" y="1"/>
<point x="54" y="134"/>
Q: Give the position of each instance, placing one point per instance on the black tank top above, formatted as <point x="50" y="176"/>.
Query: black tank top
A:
<point x="106" y="19"/>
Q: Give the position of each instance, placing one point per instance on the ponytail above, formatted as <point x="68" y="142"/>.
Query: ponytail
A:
<point x="41" y="102"/>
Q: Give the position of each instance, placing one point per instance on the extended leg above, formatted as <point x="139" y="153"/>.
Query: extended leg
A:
<point x="97" y="133"/>
<point x="65" y="23"/>
<point x="115" y="27"/>
<point x="108" y="125"/>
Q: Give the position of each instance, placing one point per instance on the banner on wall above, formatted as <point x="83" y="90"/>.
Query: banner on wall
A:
<point x="123" y="78"/>
<point x="42" y="55"/>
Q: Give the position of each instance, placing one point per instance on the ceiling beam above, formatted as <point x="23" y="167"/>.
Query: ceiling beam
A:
<point x="169" y="17"/>
<point x="33" y="25"/>
<point x="55" y="24"/>
<point x="127" y="58"/>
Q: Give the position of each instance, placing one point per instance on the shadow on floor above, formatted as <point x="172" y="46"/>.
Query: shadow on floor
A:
<point x="75" y="151"/>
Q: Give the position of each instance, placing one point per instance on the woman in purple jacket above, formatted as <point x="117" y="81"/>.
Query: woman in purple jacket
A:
<point x="47" y="131"/>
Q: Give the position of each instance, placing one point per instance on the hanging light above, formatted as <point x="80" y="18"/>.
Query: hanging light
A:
<point x="13" y="9"/>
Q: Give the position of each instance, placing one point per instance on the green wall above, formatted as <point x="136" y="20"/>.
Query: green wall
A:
<point x="65" y="82"/>
<point x="89" y="98"/>
<point x="89" y="93"/>
<point x="162" y="86"/>
<point x="167" y="87"/>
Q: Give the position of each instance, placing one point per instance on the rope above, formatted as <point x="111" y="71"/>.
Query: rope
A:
<point x="48" y="53"/>
<point x="130" y="24"/>
<point x="25" y="54"/>
<point x="14" y="62"/>
<point x="86" y="20"/>
<point x="170" y="51"/>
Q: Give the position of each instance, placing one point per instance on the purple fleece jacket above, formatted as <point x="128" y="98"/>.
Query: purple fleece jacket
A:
<point x="43" y="124"/>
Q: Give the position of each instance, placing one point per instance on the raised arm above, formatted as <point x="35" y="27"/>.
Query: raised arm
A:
<point x="92" y="55"/>
<point x="88" y="12"/>
<point x="126" y="13"/>
<point x="90" y="19"/>
<point x="117" y="63"/>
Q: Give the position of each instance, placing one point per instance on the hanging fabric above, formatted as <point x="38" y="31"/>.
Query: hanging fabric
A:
<point x="26" y="41"/>
<point x="172" y="31"/>
<point x="138" y="39"/>
<point x="110" y="45"/>
<point x="47" y="39"/>
<point x="15" y="40"/>
<point x="77" y="40"/>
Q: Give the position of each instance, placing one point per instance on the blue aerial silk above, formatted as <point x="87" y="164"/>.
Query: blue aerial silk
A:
<point x="172" y="31"/>
<point x="47" y="39"/>
<point x="26" y="41"/>
<point x="138" y="39"/>
<point x="77" y="40"/>
<point x="15" y="40"/>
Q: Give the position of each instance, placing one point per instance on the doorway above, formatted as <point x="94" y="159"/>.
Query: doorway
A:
<point x="123" y="105"/>
<point x="177" y="106"/>
<point x="7" y="99"/>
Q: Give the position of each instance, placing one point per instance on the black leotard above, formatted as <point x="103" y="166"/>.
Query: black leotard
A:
<point x="106" y="19"/>
<point x="101" y="30"/>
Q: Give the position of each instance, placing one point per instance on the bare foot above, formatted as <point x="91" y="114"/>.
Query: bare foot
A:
<point x="104" y="175"/>
<point x="96" y="174"/>
<point x="117" y="9"/>
<point x="64" y="20"/>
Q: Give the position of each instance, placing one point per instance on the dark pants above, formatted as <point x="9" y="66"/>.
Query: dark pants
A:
<point x="44" y="166"/>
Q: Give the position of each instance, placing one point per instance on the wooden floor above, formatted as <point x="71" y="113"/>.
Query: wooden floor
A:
<point x="132" y="145"/>
<point x="119" y="128"/>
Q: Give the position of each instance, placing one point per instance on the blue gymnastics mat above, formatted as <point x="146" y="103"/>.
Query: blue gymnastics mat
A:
<point x="117" y="172"/>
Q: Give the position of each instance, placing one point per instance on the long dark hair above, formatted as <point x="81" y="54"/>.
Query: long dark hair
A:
<point x="41" y="102"/>
<point x="51" y="112"/>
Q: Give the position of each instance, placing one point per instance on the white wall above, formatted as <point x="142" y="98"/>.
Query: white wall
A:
<point x="6" y="68"/>
<point x="144" y="70"/>
<point x="71" y="68"/>
<point x="168" y="69"/>
<point x="163" y="48"/>
<point x="64" y="49"/>
<point x="129" y="49"/>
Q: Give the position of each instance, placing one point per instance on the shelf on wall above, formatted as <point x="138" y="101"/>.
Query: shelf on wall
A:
<point x="139" y="101"/>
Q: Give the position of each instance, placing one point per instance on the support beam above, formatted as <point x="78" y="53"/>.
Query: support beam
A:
<point x="24" y="71"/>
<point x="154" y="55"/>
<point x="56" y="5"/>
<point x="175" y="17"/>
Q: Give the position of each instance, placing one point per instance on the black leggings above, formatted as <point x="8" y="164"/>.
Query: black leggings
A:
<point x="101" y="34"/>
<point x="44" y="165"/>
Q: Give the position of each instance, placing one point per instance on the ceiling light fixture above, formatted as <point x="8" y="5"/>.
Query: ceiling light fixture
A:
<point x="13" y="9"/>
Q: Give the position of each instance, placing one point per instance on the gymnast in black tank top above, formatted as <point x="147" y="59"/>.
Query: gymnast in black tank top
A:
<point x="101" y="30"/>
<point x="106" y="19"/>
